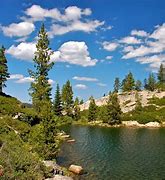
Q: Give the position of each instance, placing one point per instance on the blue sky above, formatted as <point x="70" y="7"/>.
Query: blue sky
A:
<point x="93" y="41"/>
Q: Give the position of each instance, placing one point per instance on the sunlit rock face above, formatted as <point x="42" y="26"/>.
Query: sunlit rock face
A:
<point x="127" y="100"/>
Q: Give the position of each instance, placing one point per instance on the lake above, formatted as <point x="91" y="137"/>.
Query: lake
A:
<point x="115" y="153"/>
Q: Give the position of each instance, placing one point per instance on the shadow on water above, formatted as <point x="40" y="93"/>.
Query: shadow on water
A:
<point x="115" y="153"/>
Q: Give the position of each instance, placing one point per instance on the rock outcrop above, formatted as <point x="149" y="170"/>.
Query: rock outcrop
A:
<point x="127" y="100"/>
<point x="75" y="169"/>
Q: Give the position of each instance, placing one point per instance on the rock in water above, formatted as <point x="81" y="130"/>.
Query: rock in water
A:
<point x="60" y="177"/>
<point x="76" y="169"/>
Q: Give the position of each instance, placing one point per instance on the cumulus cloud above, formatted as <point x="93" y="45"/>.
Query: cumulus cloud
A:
<point x="18" y="29"/>
<point x="152" y="51"/>
<point x="130" y="40"/>
<point x="72" y="52"/>
<point x="78" y="78"/>
<point x="80" y="86"/>
<point x="21" y="79"/>
<point x="37" y="13"/>
<point x="88" y="26"/>
<point x="110" y="46"/>
<point x="139" y="33"/>
<point x="23" y="51"/>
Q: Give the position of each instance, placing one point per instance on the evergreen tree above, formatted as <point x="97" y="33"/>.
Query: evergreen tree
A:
<point x="116" y="85"/>
<point x="67" y="98"/>
<point x="3" y="69"/>
<point x="145" y="84"/>
<point x="138" y="106"/>
<point x="57" y="102"/>
<point x="113" y="109"/>
<point x="76" y="109"/>
<point x="161" y="74"/>
<point x="103" y="114"/>
<point x="151" y="83"/>
<point x="138" y="85"/>
<point x="92" y="114"/>
<point x="128" y="83"/>
<point x="81" y="102"/>
<point x="41" y="91"/>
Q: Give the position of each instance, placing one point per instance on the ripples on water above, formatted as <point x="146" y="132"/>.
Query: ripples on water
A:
<point x="116" y="153"/>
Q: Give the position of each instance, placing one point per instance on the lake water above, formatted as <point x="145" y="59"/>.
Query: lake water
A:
<point x="116" y="153"/>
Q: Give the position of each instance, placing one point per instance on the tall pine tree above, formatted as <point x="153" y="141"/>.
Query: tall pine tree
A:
<point x="92" y="112"/>
<point x="41" y="91"/>
<point x="67" y="98"/>
<point x="3" y="69"/>
<point x="161" y="74"/>
<point x="57" y="105"/>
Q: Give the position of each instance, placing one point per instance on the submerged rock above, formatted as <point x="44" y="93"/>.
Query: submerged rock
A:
<point x="76" y="169"/>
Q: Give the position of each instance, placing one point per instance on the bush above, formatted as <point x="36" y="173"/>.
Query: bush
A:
<point x="17" y="160"/>
<point x="157" y="101"/>
<point x="9" y="105"/>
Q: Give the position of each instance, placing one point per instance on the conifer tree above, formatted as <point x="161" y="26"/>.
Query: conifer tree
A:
<point x="67" y="98"/>
<point x="3" y="69"/>
<point x="161" y="74"/>
<point x="41" y="91"/>
<point x="138" y="106"/>
<point x="81" y="102"/>
<point x="138" y="85"/>
<point x="113" y="109"/>
<point x="92" y="114"/>
<point x="128" y="83"/>
<point x="151" y="83"/>
<point x="116" y="85"/>
<point x="76" y="109"/>
<point x="57" y="102"/>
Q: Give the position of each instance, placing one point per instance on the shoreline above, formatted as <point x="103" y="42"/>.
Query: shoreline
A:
<point x="131" y="124"/>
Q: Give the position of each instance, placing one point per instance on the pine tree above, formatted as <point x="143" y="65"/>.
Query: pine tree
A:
<point x="113" y="109"/>
<point x="76" y="109"/>
<point x="161" y="74"/>
<point x="81" y="102"/>
<point x="151" y="83"/>
<point x="67" y="98"/>
<point x="92" y="114"/>
<point x="3" y="69"/>
<point x="57" y="102"/>
<point x="41" y="91"/>
<point x="138" y="85"/>
<point x="116" y="85"/>
<point x="138" y="106"/>
<point x="128" y="83"/>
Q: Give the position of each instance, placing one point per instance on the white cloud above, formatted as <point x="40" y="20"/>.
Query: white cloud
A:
<point x="101" y="84"/>
<point x="130" y="40"/>
<point x="109" y="57"/>
<point x="80" y="86"/>
<point x="88" y="26"/>
<point x="19" y="30"/>
<point x="139" y="33"/>
<point x="159" y="33"/>
<point x="72" y="52"/>
<point x="110" y="46"/>
<point x="21" y="79"/>
<point x="16" y="76"/>
<point x="23" y="51"/>
<point x="78" y="78"/>
<point x="37" y="13"/>
<point x="24" y="80"/>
